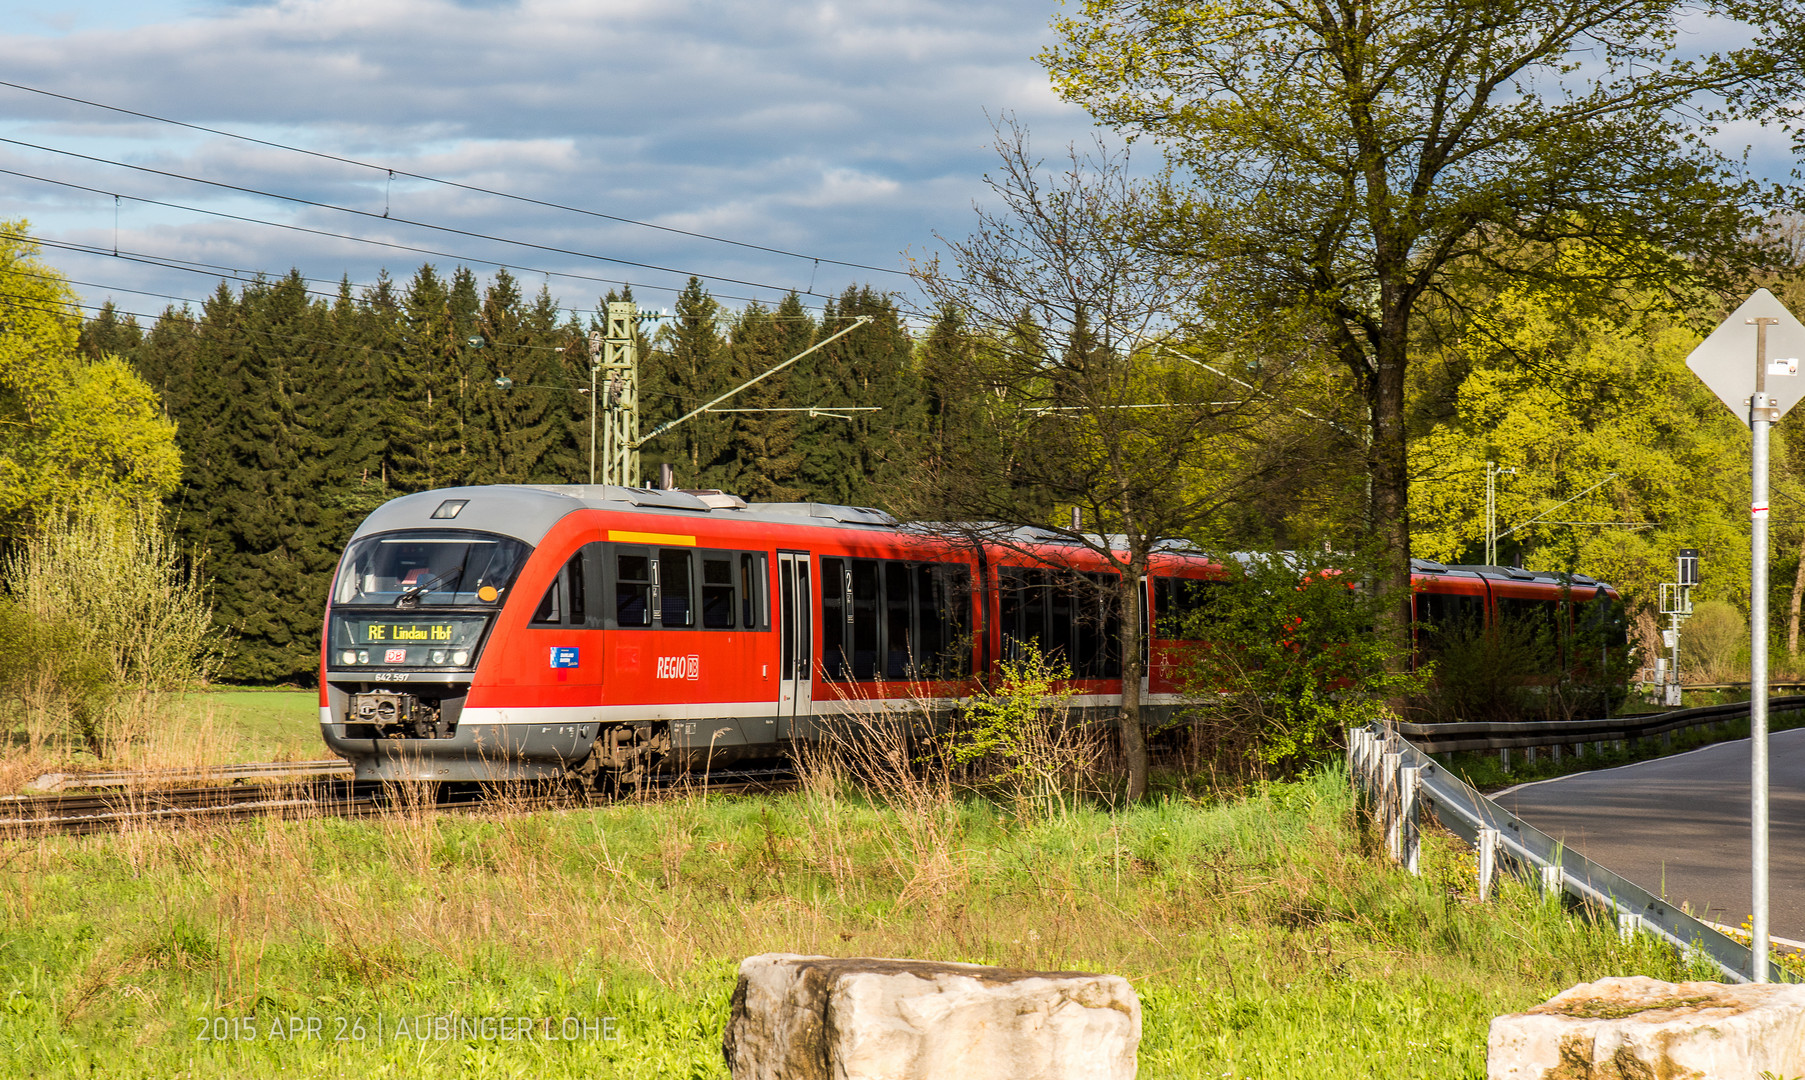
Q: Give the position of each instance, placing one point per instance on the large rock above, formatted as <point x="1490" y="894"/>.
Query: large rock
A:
<point x="1642" y="1029"/>
<point x="820" y="1018"/>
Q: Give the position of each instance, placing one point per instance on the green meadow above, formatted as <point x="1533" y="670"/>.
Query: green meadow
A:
<point x="1264" y="932"/>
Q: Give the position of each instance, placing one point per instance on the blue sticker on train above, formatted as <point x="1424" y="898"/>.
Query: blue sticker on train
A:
<point x="564" y="656"/>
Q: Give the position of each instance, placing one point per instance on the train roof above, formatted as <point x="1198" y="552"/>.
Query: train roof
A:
<point x="1502" y="573"/>
<point x="528" y="512"/>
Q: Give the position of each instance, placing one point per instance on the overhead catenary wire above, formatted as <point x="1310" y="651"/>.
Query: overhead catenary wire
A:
<point x="35" y="303"/>
<point x="459" y="185"/>
<point x="250" y="275"/>
<point x="372" y="215"/>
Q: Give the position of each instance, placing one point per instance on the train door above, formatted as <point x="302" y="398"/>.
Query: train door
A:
<point x="796" y="641"/>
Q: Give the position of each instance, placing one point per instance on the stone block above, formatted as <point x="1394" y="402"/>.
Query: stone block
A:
<point x="1642" y="1029"/>
<point x="822" y="1018"/>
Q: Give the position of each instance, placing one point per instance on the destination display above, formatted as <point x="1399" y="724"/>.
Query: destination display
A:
<point x="443" y="633"/>
<point x="360" y="640"/>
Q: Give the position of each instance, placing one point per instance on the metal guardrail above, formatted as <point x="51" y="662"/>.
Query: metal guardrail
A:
<point x="1464" y="735"/>
<point x="1402" y="782"/>
<point x="263" y="770"/>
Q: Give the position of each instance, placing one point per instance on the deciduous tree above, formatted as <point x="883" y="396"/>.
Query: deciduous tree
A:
<point x="1356" y="161"/>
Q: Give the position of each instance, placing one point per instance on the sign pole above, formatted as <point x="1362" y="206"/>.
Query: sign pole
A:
<point x="1762" y="414"/>
<point x="1721" y="361"/>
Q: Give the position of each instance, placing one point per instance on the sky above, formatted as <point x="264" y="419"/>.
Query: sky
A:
<point x="852" y="130"/>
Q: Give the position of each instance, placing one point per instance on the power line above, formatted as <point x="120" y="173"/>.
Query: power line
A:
<point x="392" y="173"/>
<point x="550" y="248"/>
<point x="250" y="276"/>
<point x="391" y="244"/>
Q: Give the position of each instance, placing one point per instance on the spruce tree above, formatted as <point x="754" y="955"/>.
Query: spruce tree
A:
<point x="865" y="461"/>
<point x="761" y="457"/>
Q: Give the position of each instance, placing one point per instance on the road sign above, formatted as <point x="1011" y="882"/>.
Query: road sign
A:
<point x="1751" y="362"/>
<point x="1725" y="361"/>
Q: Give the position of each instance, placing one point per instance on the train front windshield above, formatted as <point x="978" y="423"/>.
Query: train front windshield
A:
<point x="429" y="568"/>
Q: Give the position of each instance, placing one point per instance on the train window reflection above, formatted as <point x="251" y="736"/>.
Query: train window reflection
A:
<point x="676" y="609"/>
<point x="717" y="593"/>
<point x="437" y="568"/>
<point x="913" y="617"/>
<point x="632" y="589"/>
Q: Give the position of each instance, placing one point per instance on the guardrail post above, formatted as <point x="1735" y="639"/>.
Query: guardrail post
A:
<point x="1410" y="787"/>
<point x="1629" y="924"/>
<point x="1388" y="804"/>
<point x="1555" y="752"/>
<point x="1488" y="861"/>
<point x="1529" y="755"/>
<point x="1554" y="879"/>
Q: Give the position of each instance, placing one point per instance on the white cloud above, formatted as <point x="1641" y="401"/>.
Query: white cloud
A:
<point x="846" y="130"/>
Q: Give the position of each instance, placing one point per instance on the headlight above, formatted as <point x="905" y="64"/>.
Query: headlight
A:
<point x="461" y="657"/>
<point x="438" y="656"/>
<point x="363" y="656"/>
<point x="349" y="656"/>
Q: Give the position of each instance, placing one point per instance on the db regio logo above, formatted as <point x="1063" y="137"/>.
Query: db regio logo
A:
<point x="680" y="667"/>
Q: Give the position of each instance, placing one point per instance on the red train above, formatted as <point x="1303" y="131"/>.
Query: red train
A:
<point x="518" y="632"/>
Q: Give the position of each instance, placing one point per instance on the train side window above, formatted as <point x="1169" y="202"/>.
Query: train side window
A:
<point x="834" y="616"/>
<point x="750" y="580"/>
<point x="930" y="620"/>
<point x="1061" y="600"/>
<point x="952" y="597"/>
<point x="786" y="598"/>
<point x="1179" y="606"/>
<point x="563" y="603"/>
<point x="1092" y="652"/>
<point x="864" y="628"/>
<point x="676" y="592"/>
<point x="717" y="592"/>
<point x="898" y="632"/>
<point x="632" y="587"/>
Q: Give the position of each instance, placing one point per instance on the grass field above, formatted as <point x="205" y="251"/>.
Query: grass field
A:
<point x="1264" y="934"/>
<point x="208" y="727"/>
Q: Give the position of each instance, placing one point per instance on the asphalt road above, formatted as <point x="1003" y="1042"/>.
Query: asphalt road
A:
<point x="1680" y="826"/>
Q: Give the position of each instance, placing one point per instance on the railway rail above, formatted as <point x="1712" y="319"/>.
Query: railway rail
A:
<point x="136" y="806"/>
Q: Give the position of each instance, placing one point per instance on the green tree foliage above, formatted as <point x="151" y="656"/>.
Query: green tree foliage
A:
<point x="868" y="459"/>
<point x="760" y="458"/>
<point x="1573" y="396"/>
<point x="1286" y="661"/>
<point x="104" y="615"/>
<point x="687" y="368"/>
<point x="1360" y="163"/>
<point x="77" y="428"/>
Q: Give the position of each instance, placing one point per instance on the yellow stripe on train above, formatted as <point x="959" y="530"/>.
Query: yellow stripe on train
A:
<point x="623" y="537"/>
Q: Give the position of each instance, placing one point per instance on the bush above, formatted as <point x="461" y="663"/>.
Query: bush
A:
<point x="1714" y="644"/>
<point x="106" y="617"/>
<point x="1022" y="741"/>
<point x="1485" y="673"/>
<point x="1286" y="660"/>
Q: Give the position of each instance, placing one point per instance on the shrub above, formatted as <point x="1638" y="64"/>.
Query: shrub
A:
<point x="1286" y="660"/>
<point x="110" y="617"/>
<point x="1714" y="644"/>
<point x="1021" y="739"/>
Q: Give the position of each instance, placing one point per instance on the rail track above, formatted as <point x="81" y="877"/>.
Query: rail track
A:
<point x="138" y="800"/>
